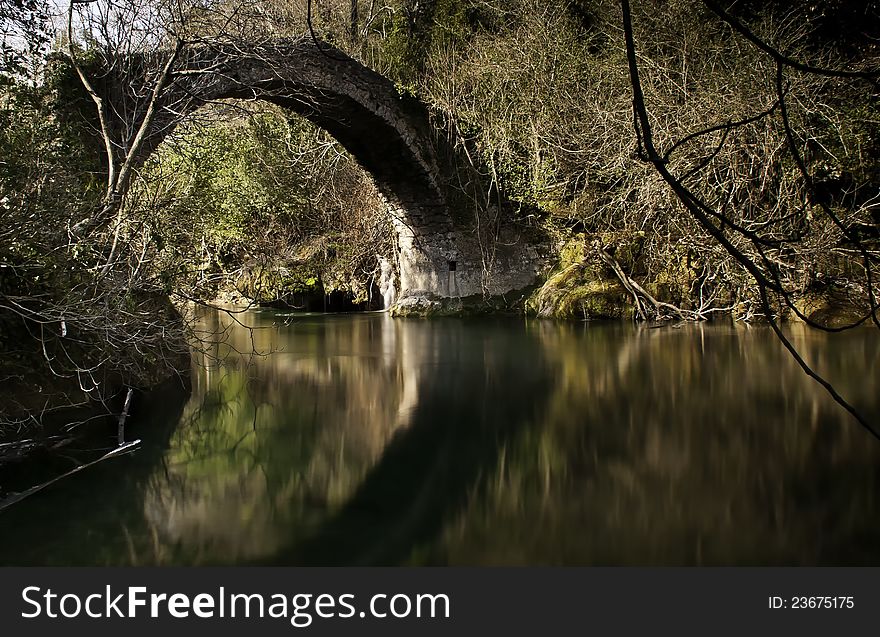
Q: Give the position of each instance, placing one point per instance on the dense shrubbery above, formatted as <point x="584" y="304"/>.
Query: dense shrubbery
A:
<point x="544" y="90"/>
<point x="259" y="206"/>
<point x="71" y="332"/>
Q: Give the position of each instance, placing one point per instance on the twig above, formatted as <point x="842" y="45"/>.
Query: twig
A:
<point x="119" y="451"/>
<point x="124" y="415"/>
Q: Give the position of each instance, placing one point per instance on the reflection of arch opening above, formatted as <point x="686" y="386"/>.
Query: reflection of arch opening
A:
<point x="390" y="136"/>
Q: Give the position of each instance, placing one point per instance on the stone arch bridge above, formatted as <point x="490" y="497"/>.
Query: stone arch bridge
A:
<point x="446" y="250"/>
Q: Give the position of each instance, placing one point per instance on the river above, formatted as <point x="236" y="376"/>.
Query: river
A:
<point x="361" y="439"/>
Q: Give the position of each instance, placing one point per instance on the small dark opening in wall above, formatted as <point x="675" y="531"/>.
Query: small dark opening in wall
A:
<point x="453" y="265"/>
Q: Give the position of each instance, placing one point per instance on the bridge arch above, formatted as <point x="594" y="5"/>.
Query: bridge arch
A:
<point x="441" y="252"/>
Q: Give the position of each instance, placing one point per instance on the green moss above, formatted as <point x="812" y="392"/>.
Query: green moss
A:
<point x="580" y="292"/>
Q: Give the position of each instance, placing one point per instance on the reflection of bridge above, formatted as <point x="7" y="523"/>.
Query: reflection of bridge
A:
<point x="442" y="249"/>
<point x="355" y="458"/>
<point x="432" y="466"/>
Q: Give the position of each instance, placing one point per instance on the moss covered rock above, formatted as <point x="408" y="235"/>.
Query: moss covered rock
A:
<point x="580" y="292"/>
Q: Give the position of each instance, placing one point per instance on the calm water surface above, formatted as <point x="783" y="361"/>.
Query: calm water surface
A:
<point x="358" y="439"/>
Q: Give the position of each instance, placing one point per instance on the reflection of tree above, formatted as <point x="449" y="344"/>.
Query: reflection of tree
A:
<point x="270" y="444"/>
<point x="683" y="447"/>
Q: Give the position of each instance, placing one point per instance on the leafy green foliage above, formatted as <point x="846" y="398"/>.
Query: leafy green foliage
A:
<point x="49" y="171"/>
<point x="260" y="204"/>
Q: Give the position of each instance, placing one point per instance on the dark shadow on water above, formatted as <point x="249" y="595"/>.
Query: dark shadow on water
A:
<point x="86" y="519"/>
<point x="471" y="406"/>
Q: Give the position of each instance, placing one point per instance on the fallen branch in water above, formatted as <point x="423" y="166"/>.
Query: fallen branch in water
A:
<point x="118" y="451"/>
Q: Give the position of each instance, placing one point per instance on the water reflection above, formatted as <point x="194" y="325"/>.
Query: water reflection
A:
<point x="283" y="424"/>
<point x="365" y="440"/>
<point x="702" y="445"/>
